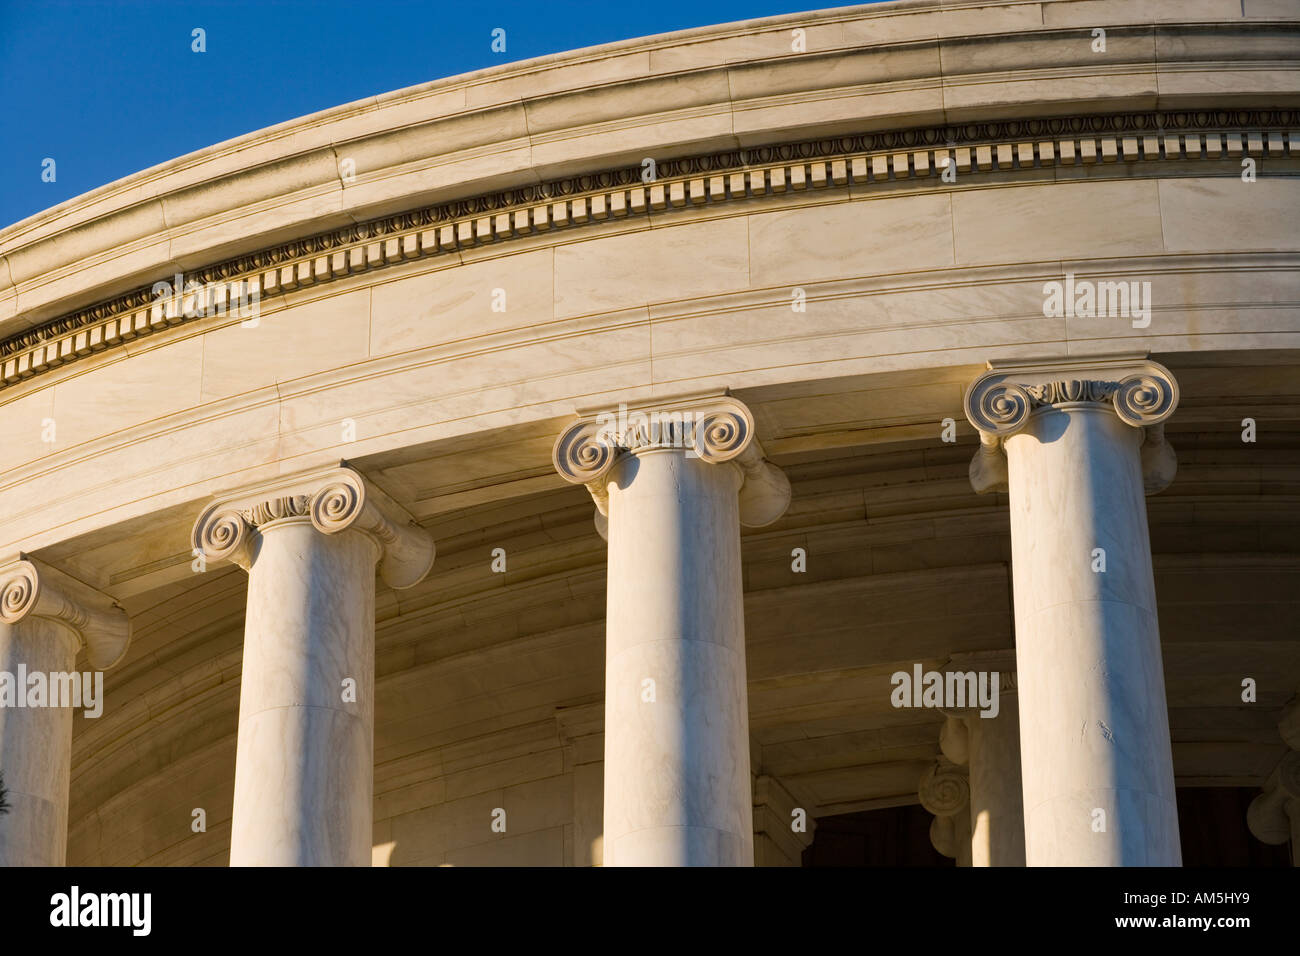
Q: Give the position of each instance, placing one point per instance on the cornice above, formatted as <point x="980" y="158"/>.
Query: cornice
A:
<point x="868" y="160"/>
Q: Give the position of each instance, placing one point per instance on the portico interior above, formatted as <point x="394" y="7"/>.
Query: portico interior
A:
<point x="489" y="685"/>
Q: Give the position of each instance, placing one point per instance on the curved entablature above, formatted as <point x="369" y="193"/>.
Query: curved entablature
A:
<point x="866" y="161"/>
<point x="523" y="131"/>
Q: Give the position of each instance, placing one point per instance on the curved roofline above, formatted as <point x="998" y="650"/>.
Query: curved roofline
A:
<point x="510" y="69"/>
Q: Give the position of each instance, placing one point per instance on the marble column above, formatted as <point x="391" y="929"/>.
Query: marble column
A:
<point x="674" y="481"/>
<point x="581" y="731"/>
<point x="944" y="790"/>
<point x="987" y="742"/>
<point x="304" y="770"/>
<point x="1083" y="441"/>
<point x="46" y="618"/>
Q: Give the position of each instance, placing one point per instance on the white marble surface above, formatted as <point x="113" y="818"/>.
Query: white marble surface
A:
<point x="1093" y="721"/>
<point x="677" y="783"/>
<point x="150" y="429"/>
<point x="35" y="749"/>
<point x="304" y="768"/>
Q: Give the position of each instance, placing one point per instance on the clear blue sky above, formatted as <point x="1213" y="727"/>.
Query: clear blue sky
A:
<point x="112" y="87"/>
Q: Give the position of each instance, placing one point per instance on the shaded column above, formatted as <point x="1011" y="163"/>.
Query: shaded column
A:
<point x="1274" y="816"/>
<point x="783" y="826"/>
<point x="987" y="742"/>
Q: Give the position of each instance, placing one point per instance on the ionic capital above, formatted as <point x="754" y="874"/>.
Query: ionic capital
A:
<point x="1142" y="393"/>
<point x="714" y="428"/>
<point x="945" y="792"/>
<point x="944" y="789"/>
<point x="333" y="500"/>
<point x="30" y="589"/>
<point x="1274" y="816"/>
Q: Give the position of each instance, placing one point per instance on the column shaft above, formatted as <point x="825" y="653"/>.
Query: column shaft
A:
<point x="310" y="543"/>
<point x="677" y="784"/>
<point x="35" y="748"/>
<point x="1097" y="765"/>
<point x="996" y="811"/>
<point x="304" y="771"/>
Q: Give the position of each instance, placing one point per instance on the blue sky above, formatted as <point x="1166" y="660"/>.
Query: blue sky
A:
<point x="109" y="88"/>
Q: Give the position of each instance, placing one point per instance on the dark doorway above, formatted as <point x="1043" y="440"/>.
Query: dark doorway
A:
<point x="1212" y="825"/>
<point x="898" y="836"/>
